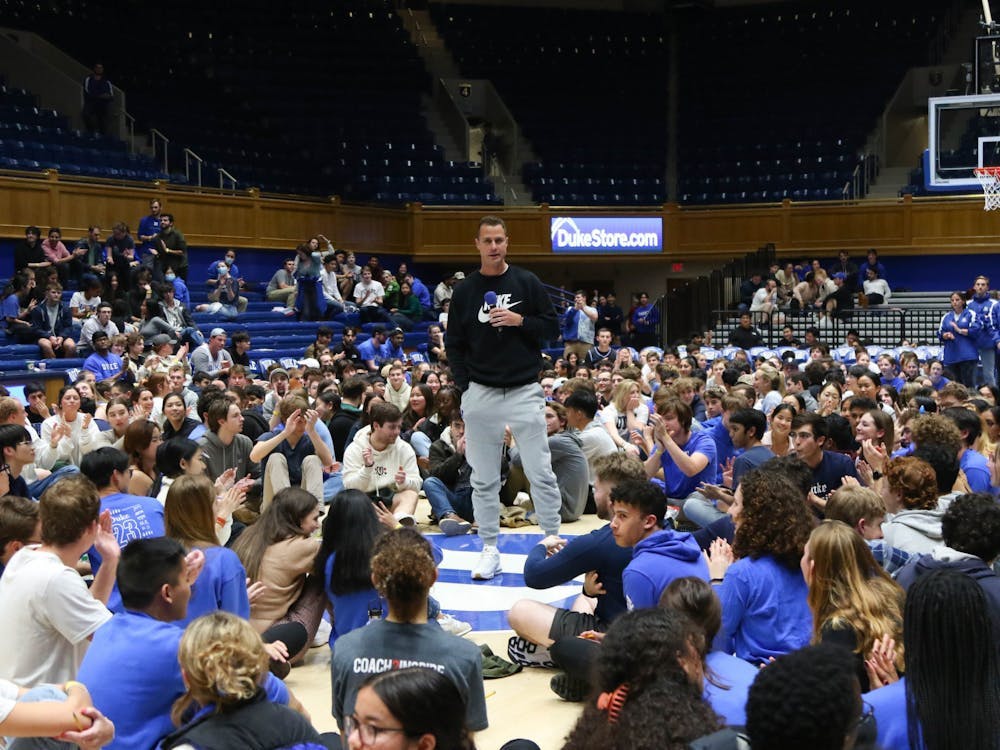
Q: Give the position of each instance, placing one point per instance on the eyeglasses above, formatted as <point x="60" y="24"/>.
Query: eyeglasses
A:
<point x="367" y="733"/>
<point x="801" y="435"/>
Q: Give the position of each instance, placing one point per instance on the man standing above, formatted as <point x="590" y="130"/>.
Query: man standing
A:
<point x="578" y="326"/>
<point x="988" y="338"/>
<point x="170" y="249"/>
<point x="98" y="96"/>
<point x="149" y="227"/>
<point x="610" y="316"/>
<point x="498" y="318"/>
<point x="212" y="357"/>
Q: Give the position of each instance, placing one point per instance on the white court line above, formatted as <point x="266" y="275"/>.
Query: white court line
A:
<point x="462" y="560"/>
<point x="472" y="597"/>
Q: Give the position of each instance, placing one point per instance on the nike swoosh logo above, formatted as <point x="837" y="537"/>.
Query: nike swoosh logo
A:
<point x="484" y="311"/>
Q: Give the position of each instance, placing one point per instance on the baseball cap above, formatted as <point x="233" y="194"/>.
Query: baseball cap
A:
<point x="309" y="362"/>
<point x="277" y="371"/>
<point x="397" y="330"/>
<point x="217" y="332"/>
<point x="840" y="275"/>
<point x="161" y="338"/>
<point x="458" y="276"/>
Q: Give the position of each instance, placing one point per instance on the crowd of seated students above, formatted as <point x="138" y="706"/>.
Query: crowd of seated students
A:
<point x="714" y="469"/>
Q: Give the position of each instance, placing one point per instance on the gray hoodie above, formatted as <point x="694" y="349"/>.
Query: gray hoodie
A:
<point x="917" y="532"/>
<point x="219" y="457"/>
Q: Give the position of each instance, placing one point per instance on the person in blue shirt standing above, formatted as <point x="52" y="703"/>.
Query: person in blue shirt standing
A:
<point x="959" y="331"/>
<point x="149" y="227"/>
<point x="577" y="326"/>
<point x="988" y="339"/>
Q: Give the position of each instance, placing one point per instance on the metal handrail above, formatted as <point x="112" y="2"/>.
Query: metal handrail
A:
<point x="166" y="146"/>
<point x="130" y="122"/>
<point x="188" y="156"/>
<point x="223" y="176"/>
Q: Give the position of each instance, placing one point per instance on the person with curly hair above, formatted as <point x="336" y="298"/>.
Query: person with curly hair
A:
<point x="950" y="696"/>
<point x="765" y="612"/>
<point x="403" y="571"/>
<point x="970" y="530"/>
<point x="224" y="666"/>
<point x="807" y="699"/>
<point x="854" y="602"/>
<point x="648" y="685"/>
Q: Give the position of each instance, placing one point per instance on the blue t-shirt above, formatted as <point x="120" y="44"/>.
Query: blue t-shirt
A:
<point x="221" y="585"/>
<point x="369" y="350"/>
<point x="677" y="483"/>
<point x="11" y="307"/>
<point x="750" y="459"/>
<point x="830" y="473"/>
<point x="108" y="366"/>
<point x="132" y="517"/>
<point x="132" y="673"/>
<point x="735" y="677"/>
<point x="724" y="449"/>
<point x="594" y="551"/>
<point x="977" y="470"/>
<point x="889" y="706"/>
<point x="350" y="611"/>
<point x="765" y="611"/>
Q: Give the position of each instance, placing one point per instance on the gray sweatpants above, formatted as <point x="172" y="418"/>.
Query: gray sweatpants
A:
<point x="486" y="410"/>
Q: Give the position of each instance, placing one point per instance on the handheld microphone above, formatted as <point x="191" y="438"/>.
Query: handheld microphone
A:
<point x="490" y="300"/>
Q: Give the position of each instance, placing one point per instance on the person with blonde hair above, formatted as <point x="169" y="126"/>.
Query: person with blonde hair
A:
<point x="854" y="602"/>
<point x="626" y="412"/>
<point x="769" y="384"/>
<point x="859" y="507"/>
<point x="224" y="665"/>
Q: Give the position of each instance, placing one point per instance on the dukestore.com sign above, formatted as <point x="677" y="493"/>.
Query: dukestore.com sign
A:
<point x="588" y="234"/>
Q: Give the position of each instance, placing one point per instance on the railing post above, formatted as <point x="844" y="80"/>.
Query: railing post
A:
<point x="166" y="146"/>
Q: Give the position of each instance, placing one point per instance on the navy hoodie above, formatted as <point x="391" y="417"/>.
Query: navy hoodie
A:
<point x="946" y="558"/>
<point x="656" y="561"/>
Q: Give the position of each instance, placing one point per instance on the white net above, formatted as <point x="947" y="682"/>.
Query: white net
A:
<point x="989" y="178"/>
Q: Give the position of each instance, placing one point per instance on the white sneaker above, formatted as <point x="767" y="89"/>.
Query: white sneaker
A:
<point x="488" y="564"/>
<point x="521" y="498"/>
<point x="450" y="625"/>
<point x="322" y="634"/>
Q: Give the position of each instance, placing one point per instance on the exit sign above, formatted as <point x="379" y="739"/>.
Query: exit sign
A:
<point x="677" y="267"/>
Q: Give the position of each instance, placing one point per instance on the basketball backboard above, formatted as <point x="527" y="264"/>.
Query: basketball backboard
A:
<point x="963" y="133"/>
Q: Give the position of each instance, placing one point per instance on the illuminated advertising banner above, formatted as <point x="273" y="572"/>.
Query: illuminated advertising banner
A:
<point x="615" y="235"/>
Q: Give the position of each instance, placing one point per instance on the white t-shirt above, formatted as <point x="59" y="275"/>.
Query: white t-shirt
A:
<point x="48" y="616"/>
<point x="8" y="698"/>
<point x="80" y="302"/>
<point x="367" y="294"/>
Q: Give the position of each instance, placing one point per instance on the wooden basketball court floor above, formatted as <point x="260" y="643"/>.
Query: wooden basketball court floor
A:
<point x="519" y="706"/>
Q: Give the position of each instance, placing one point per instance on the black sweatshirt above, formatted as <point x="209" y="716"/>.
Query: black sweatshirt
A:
<point x="504" y="357"/>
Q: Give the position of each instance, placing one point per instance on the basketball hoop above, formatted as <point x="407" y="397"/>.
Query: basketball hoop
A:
<point x="989" y="178"/>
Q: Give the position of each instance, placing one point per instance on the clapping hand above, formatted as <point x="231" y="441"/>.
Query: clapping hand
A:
<point x="105" y="542"/>
<point x="719" y="557"/>
<point x="881" y="663"/>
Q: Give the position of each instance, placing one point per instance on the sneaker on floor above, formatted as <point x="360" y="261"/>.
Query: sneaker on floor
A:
<point x="527" y="654"/>
<point x="454" y="525"/>
<point x="450" y="625"/>
<point x="488" y="564"/>
<point x="406" y="519"/>
<point x="322" y="634"/>
<point x="521" y="498"/>
<point x="569" y="688"/>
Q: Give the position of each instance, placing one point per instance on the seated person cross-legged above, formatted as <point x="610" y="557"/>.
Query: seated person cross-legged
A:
<point x="381" y="465"/>
<point x="296" y="456"/>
